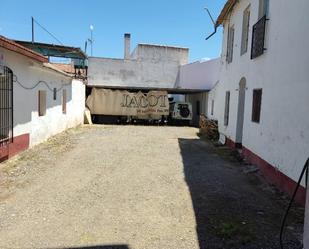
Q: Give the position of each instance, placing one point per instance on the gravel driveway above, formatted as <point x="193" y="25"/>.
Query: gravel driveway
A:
<point x="137" y="187"/>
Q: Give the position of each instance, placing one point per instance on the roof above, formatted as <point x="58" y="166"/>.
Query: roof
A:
<point x="226" y="9"/>
<point x="161" y="46"/>
<point x="55" y="69"/>
<point x="147" y="89"/>
<point x="67" y="68"/>
<point x="54" y="50"/>
<point x="17" y="48"/>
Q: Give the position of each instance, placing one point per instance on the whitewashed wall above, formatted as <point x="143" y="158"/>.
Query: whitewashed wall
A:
<point x="26" y="118"/>
<point x="282" y="136"/>
<point x="150" y="66"/>
<point x="199" y="75"/>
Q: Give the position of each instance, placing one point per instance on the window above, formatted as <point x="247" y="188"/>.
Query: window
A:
<point x="212" y="107"/>
<point x="245" y="31"/>
<point x="198" y="108"/>
<point x="263" y="8"/>
<point x="258" y="38"/>
<point x="42" y="103"/>
<point x="256" y="105"/>
<point x="6" y="106"/>
<point x="230" y="44"/>
<point x="227" y="108"/>
<point x="55" y="93"/>
<point x="64" y="101"/>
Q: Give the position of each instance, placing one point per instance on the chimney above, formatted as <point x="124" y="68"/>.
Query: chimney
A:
<point x="127" y="41"/>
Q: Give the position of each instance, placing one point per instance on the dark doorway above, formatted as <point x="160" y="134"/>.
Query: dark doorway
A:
<point x="6" y="106"/>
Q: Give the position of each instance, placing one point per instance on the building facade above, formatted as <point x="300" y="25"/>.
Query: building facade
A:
<point x="147" y="67"/>
<point x="36" y="100"/>
<point x="202" y="76"/>
<point x="261" y="100"/>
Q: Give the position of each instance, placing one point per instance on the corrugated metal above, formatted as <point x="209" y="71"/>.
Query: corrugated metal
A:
<point x="13" y="46"/>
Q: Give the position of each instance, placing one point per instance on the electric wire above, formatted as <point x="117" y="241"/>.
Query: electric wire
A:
<point x="47" y="31"/>
<point x="15" y="79"/>
<point x="304" y="170"/>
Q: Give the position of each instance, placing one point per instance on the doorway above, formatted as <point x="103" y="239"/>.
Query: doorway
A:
<point x="6" y="106"/>
<point x="240" y="112"/>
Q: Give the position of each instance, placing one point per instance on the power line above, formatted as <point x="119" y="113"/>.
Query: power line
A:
<point x="47" y="31"/>
<point x="15" y="79"/>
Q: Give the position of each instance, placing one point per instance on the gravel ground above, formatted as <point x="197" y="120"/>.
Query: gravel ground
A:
<point x="138" y="187"/>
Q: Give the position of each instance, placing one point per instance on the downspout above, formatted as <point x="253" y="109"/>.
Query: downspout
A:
<point x="213" y="33"/>
<point x="216" y="25"/>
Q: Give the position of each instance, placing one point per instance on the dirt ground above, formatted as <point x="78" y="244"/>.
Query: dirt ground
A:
<point x="138" y="187"/>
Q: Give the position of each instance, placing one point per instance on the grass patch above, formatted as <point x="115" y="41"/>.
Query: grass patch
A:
<point x="235" y="232"/>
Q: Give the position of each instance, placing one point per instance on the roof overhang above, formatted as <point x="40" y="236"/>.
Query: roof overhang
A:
<point x="56" y="69"/>
<point x="20" y="49"/>
<point x="52" y="50"/>
<point x="225" y="11"/>
<point x="169" y="90"/>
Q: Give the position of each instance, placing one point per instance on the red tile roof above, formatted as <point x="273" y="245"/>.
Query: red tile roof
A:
<point x="226" y="9"/>
<point x="13" y="46"/>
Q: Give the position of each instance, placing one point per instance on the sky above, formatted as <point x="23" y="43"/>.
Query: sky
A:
<point x="182" y="23"/>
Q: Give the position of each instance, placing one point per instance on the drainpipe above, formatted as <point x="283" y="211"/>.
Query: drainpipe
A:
<point x="215" y="26"/>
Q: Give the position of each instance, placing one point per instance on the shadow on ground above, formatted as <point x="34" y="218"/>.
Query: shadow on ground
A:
<point x="234" y="209"/>
<point x="97" y="247"/>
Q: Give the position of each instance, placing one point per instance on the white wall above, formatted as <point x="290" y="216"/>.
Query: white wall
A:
<point x="282" y="136"/>
<point x="194" y="98"/>
<point x="199" y="75"/>
<point x="150" y="66"/>
<point x="26" y="118"/>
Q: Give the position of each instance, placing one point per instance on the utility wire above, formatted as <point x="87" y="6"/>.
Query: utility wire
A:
<point x="38" y="83"/>
<point x="47" y="31"/>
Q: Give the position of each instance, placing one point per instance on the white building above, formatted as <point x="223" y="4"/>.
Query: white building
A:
<point x="147" y="67"/>
<point x="262" y="98"/>
<point x="201" y="76"/>
<point x="37" y="100"/>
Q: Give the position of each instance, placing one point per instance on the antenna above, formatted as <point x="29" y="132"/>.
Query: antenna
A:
<point x="91" y="38"/>
<point x="32" y="25"/>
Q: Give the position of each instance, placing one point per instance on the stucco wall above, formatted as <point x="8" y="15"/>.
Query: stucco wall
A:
<point x="199" y="75"/>
<point x="282" y="136"/>
<point x="149" y="66"/>
<point x="26" y="118"/>
<point x="194" y="98"/>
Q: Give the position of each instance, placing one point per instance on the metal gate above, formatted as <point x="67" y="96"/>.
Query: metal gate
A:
<point x="6" y="106"/>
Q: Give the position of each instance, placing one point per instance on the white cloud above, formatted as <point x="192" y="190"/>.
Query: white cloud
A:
<point x="205" y="59"/>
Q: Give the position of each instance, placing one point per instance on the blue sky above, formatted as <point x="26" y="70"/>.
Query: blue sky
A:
<point x="173" y="22"/>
